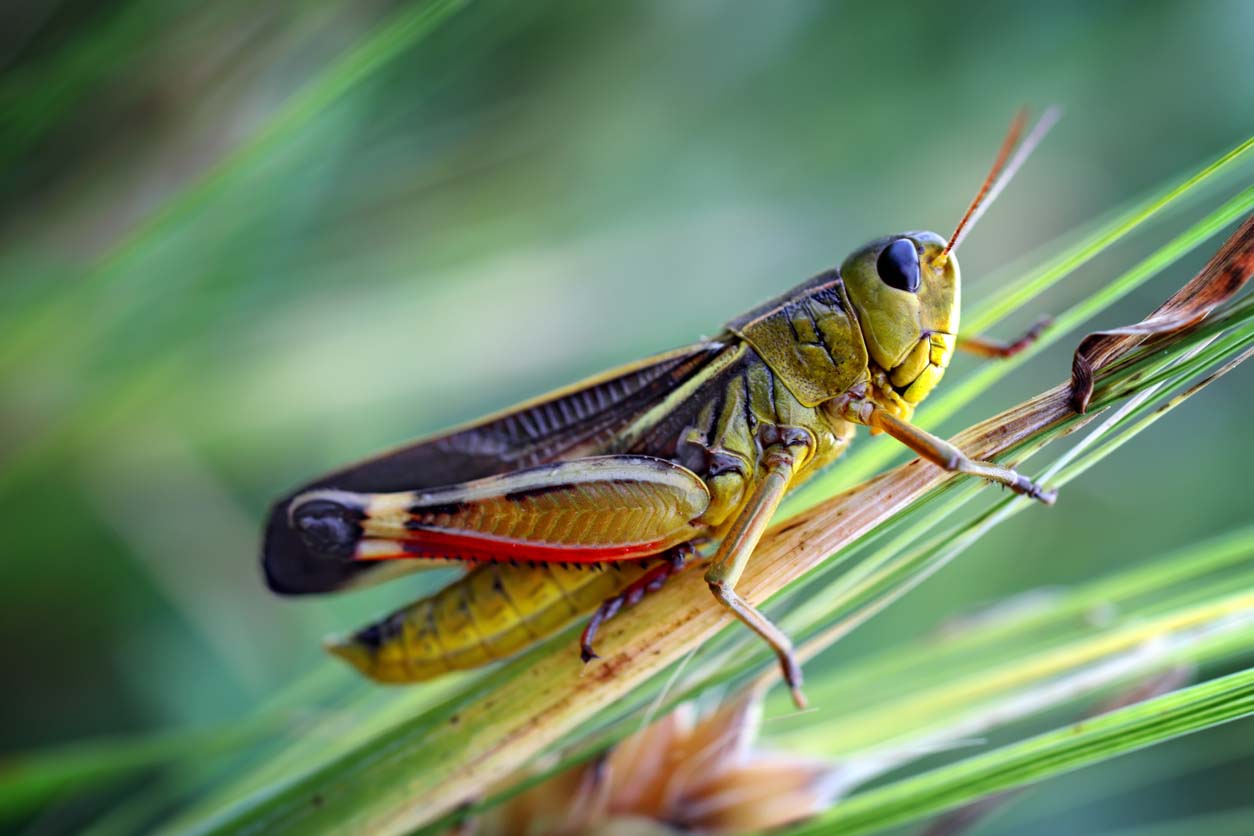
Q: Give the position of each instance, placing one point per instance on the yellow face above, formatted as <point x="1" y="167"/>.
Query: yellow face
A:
<point x="907" y="307"/>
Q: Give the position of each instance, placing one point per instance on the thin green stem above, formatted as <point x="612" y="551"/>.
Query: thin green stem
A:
<point x="1110" y="735"/>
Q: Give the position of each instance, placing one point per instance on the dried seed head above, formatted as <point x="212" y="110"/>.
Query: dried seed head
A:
<point x="678" y="775"/>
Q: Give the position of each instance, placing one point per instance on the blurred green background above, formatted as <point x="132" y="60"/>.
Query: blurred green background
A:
<point x="208" y="295"/>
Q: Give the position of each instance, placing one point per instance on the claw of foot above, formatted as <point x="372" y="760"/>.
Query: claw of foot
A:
<point x="798" y="698"/>
<point x="792" y="678"/>
<point x="1048" y="496"/>
<point x="1032" y="490"/>
<point x="587" y="654"/>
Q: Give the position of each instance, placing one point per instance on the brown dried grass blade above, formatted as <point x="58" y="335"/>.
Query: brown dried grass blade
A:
<point x="1222" y="277"/>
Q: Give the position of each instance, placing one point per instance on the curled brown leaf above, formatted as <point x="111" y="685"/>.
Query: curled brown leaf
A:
<point x="1216" y="283"/>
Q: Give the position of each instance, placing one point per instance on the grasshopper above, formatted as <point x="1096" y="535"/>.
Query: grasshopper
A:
<point x="641" y="467"/>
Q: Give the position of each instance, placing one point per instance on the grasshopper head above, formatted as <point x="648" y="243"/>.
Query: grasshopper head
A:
<point x="906" y="299"/>
<point x="904" y="288"/>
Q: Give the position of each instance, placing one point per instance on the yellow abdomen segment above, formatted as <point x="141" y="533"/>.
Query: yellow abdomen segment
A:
<point x="490" y="614"/>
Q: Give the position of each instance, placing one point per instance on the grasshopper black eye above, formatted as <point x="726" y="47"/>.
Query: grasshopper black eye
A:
<point x="898" y="265"/>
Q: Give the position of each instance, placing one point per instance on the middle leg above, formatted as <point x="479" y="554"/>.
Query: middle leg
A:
<point x="738" y="545"/>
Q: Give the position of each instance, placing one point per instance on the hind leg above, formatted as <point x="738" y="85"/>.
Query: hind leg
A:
<point x="675" y="561"/>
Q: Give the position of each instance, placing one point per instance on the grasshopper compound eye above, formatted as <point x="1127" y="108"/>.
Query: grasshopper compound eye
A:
<point x="898" y="265"/>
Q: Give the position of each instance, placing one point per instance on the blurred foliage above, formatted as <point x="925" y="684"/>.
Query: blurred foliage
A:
<point x="242" y="243"/>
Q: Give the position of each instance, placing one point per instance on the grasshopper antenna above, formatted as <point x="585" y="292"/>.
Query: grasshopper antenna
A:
<point x="1003" y="171"/>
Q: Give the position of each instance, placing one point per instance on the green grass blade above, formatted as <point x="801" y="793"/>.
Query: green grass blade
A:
<point x="1015" y="297"/>
<point x="402" y="31"/>
<point x="1092" y="741"/>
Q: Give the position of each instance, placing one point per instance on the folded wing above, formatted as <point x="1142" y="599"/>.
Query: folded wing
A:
<point x="577" y="421"/>
<point x="587" y="510"/>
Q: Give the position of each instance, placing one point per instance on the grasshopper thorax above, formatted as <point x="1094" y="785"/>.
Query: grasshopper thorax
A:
<point x="906" y="301"/>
